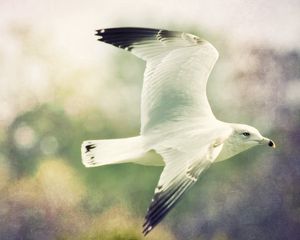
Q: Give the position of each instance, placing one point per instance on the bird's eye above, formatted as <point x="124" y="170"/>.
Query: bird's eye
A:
<point x="246" y="134"/>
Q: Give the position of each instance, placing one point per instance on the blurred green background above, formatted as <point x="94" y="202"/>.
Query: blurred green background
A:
<point x="59" y="86"/>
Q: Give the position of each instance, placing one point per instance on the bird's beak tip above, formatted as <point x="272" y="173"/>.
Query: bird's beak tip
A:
<point x="271" y="144"/>
<point x="268" y="142"/>
<point x="274" y="145"/>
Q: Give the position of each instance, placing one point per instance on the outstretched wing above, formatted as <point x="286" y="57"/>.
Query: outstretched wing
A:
<point x="178" y="66"/>
<point x="180" y="173"/>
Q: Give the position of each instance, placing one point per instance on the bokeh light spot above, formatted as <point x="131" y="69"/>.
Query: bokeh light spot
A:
<point x="24" y="136"/>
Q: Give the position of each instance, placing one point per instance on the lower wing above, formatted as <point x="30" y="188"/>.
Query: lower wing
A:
<point x="180" y="173"/>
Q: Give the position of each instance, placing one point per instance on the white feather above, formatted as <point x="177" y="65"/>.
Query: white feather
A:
<point x="113" y="151"/>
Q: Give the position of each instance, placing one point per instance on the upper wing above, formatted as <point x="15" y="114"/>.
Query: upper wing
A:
<point x="178" y="66"/>
<point x="180" y="173"/>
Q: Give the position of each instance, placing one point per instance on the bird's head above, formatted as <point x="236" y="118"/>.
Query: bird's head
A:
<point x="248" y="136"/>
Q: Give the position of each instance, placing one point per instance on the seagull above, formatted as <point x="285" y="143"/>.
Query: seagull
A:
<point x="176" y="118"/>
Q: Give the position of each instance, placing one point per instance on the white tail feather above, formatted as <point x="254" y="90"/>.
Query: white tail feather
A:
<point x="113" y="151"/>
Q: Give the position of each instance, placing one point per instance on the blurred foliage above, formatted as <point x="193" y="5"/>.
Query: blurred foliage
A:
<point x="46" y="193"/>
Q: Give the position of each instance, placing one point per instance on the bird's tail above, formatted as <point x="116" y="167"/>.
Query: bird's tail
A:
<point x="113" y="151"/>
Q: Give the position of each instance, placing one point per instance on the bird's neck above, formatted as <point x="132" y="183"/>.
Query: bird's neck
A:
<point x="231" y="148"/>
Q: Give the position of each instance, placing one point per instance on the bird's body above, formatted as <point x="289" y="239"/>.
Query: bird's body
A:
<point x="176" y="119"/>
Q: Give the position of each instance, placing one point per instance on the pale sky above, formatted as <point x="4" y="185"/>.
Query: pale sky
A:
<point x="276" y="22"/>
<point x="70" y="26"/>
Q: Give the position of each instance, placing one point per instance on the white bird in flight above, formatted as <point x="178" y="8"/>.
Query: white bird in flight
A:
<point x="176" y="119"/>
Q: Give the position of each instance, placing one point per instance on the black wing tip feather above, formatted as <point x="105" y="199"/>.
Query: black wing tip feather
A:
<point x="125" y="37"/>
<point x="163" y="202"/>
<point x="156" y="207"/>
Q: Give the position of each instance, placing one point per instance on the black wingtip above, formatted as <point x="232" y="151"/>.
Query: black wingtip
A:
<point x="99" y="34"/>
<point x="126" y="37"/>
<point x="147" y="230"/>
